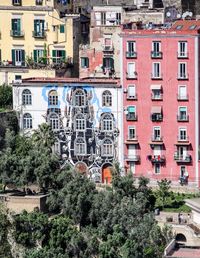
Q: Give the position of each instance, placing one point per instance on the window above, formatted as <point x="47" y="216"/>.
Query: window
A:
<point x="53" y="98"/>
<point x="54" y="121"/>
<point x="156" y="49"/>
<point x="80" y="122"/>
<point x="156" y="114"/>
<point x="107" y="99"/>
<point x="132" y="167"/>
<point x="18" y="57"/>
<point x="131" y="133"/>
<point x="107" y="148"/>
<point x="182" y="134"/>
<point x="62" y="28"/>
<point x="131" y="92"/>
<point x="118" y="18"/>
<point x="107" y="123"/>
<point x="131" y="49"/>
<point x="79" y="98"/>
<point x="58" y="56"/>
<point x="182" y="49"/>
<point x="84" y="62"/>
<point x="18" y="78"/>
<point x="80" y="147"/>
<point x="179" y="27"/>
<point x="38" y="55"/>
<point x="131" y="73"/>
<point x="108" y="63"/>
<point x="156" y="133"/>
<point x="27" y="121"/>
<point x="38" y="2"/>
<point x="157" y="168"/>
<point x="182" y="71"/>
<point x="17" y="2"/>
<point x="183" y="171"/>
<point x="38" y="28"/>
<point x="16" y="28"/>
<point x="103" y="18"/>
<point x="107" y="44"/>
<point x="131" y="113"/>
<point x="182" y="116"/>
<point x="156" y="94"/>
<point x="182" y="92"/>
<point x="26" y="97"/>
<point x="156" y="70"/>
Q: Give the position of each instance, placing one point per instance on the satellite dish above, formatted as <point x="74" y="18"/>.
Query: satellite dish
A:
<point x="168" y="14"/>
<point x="178" y="16"/>
<point x="186" y="14"/>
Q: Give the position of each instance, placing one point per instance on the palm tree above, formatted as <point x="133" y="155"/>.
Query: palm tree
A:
<point x="44" y="136"/>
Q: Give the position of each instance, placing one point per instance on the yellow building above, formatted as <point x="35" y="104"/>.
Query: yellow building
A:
<point x="32" y="35"/>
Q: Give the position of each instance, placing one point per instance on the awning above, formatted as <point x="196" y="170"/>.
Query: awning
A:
<point x="156" y="87"/>
<point x="156" y="110"/>
<point x="182" y="143"/>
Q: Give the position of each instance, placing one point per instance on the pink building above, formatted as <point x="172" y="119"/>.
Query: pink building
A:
<point x="160" y="78"/>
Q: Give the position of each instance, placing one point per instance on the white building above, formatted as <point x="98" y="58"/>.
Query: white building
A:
<point x="85" y="114"/>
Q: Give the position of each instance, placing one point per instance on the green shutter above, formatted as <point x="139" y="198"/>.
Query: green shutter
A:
<point x="35" y="55"/>
<point x="111" y="62"/>
<point x="23" y="57"/>
<point x="62" y="28"/>
<point x="18" y="25"/>
<point x="53" y="56"/>
<point x="0" y="56"/>
<point x="13" y="56"/>
<point x="63" y="53"/>
<point x="87" y="62"/>
<point x="104" y="62"/>
<point x="35" y="25"/>
<point x="12" y="24"/>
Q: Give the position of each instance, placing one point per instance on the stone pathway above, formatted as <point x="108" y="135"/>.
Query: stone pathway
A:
<point x="185" y="253"/>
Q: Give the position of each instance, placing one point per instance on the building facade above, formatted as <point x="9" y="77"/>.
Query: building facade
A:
<point x="85" y="116"/>
<point x="101" y="57"/>
<point x="33" y="34"/>
<point x="160" y="78"/>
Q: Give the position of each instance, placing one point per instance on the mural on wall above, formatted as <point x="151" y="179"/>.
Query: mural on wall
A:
<point x="86" y="131"/>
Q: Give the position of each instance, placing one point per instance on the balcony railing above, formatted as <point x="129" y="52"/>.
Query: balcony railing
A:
<point x="17" y="33"/>
<point x="156" y="76"/>
<point x="182" y="139"/>
<point x="157" y="97"/>
<point x="131" y="117"/>
<point x="39" y="34"/>
<point x="156" y="117"/>
<point x="135" y="158"/>
<point x="182" y="76"/>
<point x="131" y="54"/>
<point x="158" y="159"/>
<point x="131" y="97"/>
<point x="156" y="54"/>
<point x="182" y="55"/>
<point x="131" y="76"/>
<point x="131" y="139"/>
<point x="182" y="158"/>
<point x="108" y="48"/>
<point x="182" y="97"/>
<point x="156" y="138"/>
<point x="182" y="118"/>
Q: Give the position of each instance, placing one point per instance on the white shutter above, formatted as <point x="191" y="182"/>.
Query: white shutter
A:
<point x="182" y="91"/>
<point x="131" y="151"/>
<point x="157" y="150"/>
<point x="131" y="69"/>
<point x="131" y="91"/>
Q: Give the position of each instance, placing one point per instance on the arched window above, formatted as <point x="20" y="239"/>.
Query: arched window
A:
<point x="107" y="98"/>
<point x="80" y="147"/>
<point x="26" y="97"/>
<point x="27" y="121"/>
<point x="53" y="98"/>
<point x="79" y="98"/>
<point x="107" y="122"/>
<point x="54" y="121"/>
<point x="80" y="122"/>
<point x="107" y="148"/>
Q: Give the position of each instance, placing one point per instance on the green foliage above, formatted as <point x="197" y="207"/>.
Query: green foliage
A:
<point x="5" y="96"/>
<point x="163" y="190"/>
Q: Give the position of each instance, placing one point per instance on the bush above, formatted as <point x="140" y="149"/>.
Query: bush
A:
<point x="5" y="96"/>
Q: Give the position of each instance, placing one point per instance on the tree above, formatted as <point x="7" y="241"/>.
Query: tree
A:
<point x="44" y="136"/>
<point x="163" y="190"/>
<point x="5" y="96"/>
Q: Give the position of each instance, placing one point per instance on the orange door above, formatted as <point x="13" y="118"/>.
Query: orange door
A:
<point x="106" y="175"/>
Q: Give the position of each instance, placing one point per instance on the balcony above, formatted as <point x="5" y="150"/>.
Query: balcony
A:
<point x="128" y="97"/>
<point x="182" y="158"/>
<point x="156" y="138"/>
<point x="156" y="117"/>
<point x="158" y="159"/>
<point x="157" y="96"/>
<point x="181" y="97"/>
<point x="156" y="76"/>
<point x="131" y="54"/>
<point x="131" y="117"/>
<point x="182" y="141"/>
<point x="39" y="34"/>
<point x="131" y="139"/>
<point x="182" y="55"/>
<point x="108" y="48"/>
<point x="156" y="54"/>
<point x="17" y="33"/>
<point x="183" y="118"/>
<point x="182" y="76"/>
<point x="131" y="76"/>
<point x="134" y="158"/>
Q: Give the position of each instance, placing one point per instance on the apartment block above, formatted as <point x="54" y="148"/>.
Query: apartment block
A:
<point x="160" y="78"/>
<point x="85" y="116"/>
